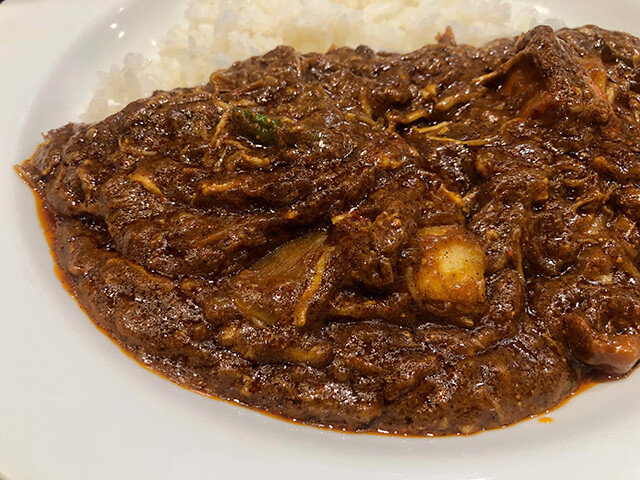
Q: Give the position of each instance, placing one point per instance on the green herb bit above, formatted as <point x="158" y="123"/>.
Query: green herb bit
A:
<point x="255" y="126"/>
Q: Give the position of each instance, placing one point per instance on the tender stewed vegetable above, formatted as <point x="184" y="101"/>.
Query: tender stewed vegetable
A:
<point x="451" y="268"/>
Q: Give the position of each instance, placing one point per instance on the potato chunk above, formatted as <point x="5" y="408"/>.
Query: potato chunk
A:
<point x="451" y="268"/>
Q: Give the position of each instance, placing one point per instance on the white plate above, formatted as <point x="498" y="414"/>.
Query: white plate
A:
<point x="72" y="406"/>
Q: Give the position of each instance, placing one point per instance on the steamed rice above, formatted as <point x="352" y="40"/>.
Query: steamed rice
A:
<point x="215" y="33"/>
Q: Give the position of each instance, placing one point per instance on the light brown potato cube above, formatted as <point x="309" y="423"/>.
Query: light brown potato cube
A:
<point x="451" y="267"/>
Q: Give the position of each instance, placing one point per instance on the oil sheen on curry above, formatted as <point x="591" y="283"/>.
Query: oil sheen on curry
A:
<point x="435" y="242"/>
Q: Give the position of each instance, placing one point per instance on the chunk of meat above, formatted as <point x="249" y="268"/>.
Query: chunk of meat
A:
<point x="613" y="353"/>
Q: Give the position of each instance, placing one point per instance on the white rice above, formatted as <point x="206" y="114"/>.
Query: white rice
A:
<point x="215" y="33"/>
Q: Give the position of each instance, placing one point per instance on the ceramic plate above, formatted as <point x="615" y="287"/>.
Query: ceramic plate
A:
<point x="74" y="407"/>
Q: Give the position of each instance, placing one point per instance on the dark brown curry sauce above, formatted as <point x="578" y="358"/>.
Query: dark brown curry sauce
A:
<point x="428" y="243"/>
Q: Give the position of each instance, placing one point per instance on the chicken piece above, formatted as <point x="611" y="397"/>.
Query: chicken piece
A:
<point x="612" y="353"/>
